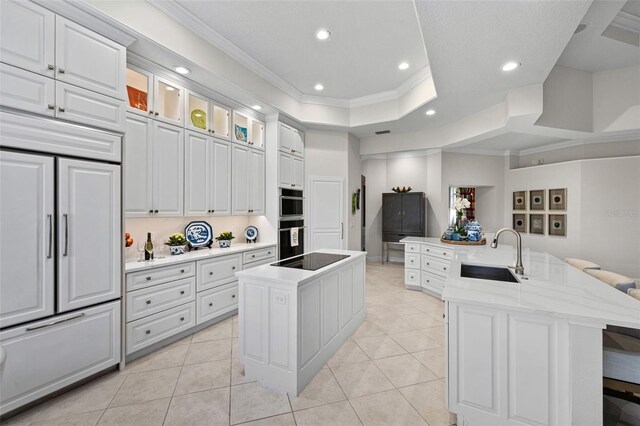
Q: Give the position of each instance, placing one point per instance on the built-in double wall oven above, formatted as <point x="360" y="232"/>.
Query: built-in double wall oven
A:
<point x="291" y="229"/>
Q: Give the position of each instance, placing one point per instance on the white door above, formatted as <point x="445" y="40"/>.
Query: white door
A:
<point x="88" y="107"/>
<point x="326" y="211"/>
<point x="138" y="166"/>
<point x="90" y="238"/>
<point x="220" y="178"/>
<point x="297" y="172"/>
<point x="26" y="246"/>
<point x="284" y="170"/>
<point x="27" y="36"/>
<point x="256" y="184"/>
<point x="168" y="167"/>
<point x="89" y="60"/>
<point x="240" y="179"/>
<point x="197" y="159"/>
<point x="27" y="91"/>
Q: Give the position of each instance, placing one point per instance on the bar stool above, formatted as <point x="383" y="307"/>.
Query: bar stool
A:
<point x="618" y="281"/>
<point x="581" y="264"/>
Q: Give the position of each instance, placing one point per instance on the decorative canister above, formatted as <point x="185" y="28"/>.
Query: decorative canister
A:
<point x="176" y="250"/>
<point x="224" y="243"/>
<point x="473" y="235"/>
<point x="448" y="233"/>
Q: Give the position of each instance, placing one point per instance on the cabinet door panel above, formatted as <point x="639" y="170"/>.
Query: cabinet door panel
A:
<point x="138" y="167"/>
<point x="139" y="91"/>
<point x="89" y="60"/>
<point x="168" y="101"/>
<point x="168" y="167"/>
<point x="27" y="36"/>
<point x="413" y="213"/>
<point x="197" y="170"/>
<point x="392" y="213"/>
<point x="27" y="91"/>
<point x="285" y="138"/>
<point x="284" y="170"/>
<point x="257" y="184"/>
<point x="240" y="179"/>
<point x="297" y="144"/>
<point x="89" y="246"/>
<point x="220" y="186"/>
<point x="346" y="296"/>
<point x="220" y="120"/>
<point x="297" y="173"/>
<point x="90" y="108"/>
<point x="26" y="246"/>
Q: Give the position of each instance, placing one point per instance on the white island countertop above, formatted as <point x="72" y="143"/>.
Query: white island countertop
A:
<point x="550" y="286"/>
<point x="293" y="276"/>
<point x="203" y="253"/>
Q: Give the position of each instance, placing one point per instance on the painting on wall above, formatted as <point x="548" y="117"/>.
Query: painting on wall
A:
<point x="536" y="224"/>
<point x="558" y="224"/>
<point x="520" y="200"/>
<point x="536" y="199"/>
<point x="520" y="222"/>
<point x="558" y="199"/>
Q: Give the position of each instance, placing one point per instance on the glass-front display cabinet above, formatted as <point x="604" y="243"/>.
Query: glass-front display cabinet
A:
<point x="139" y="91"/>
<point x="206" y="116"/>
<point x="168" y="101"/>
<point x="248" y="130"/>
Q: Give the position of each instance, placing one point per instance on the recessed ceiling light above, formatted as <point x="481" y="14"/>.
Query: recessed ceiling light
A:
<point x="182" y="70"/>
<point x="318" y="87"/>
<point x="170" y="89"/>
<point x="510" y="66"/>
<point x="257" y="107"/>
<point x="403" y="66"/>
<point x="323" y="34"/>
<point x="430" y="112"/>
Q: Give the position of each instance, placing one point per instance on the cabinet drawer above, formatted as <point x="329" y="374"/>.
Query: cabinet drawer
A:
<point x="90" y="108"/>
<point x="438" y="251"/>
<point x="259" y="262"/>
<point x="215" y="272"/>
<point x="27" y="91"/>
<point x="412" y="277"/>
<point x="435" y="265"/>
<point x="151" y="277"/>
<point x="152" y="329"/>
<point x="412" y="260"/>
<point x="412" y="248"/>
<point x="151" y="300"/>
<point x="255" y="255"/>
<point x="432" y="282"/>
<point x="217" y="301"/>
<point x="42" y="358"/>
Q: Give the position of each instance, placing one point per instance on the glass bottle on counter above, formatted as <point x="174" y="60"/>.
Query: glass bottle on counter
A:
<point x="148" y="248"/>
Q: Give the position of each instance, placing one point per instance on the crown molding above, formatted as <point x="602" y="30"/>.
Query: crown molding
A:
<point x="195" y="24"/>
<point x="627" y="21"/>
<point x="88" y="16"/>
<point x="476" y="151"/>
<point x="620" y="137"/>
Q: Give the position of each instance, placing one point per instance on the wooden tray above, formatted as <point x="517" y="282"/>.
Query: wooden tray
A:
<point x="464" y="243"/>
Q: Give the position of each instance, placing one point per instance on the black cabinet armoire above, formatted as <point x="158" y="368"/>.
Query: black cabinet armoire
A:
<point x="403" y="215"/>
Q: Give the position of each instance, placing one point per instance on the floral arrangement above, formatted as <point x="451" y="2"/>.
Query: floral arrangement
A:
<point x="461" y="204"/>
<point x="176" y="239"/>
<point x="225" y="236"/>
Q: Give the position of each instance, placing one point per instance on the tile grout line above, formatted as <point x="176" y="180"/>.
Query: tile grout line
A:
<point x="111" y="399"/>
<point x="173" y="393"/>
<point x="345" y="395"/>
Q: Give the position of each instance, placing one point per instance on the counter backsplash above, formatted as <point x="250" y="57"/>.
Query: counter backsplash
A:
<point x="162" y="227"/>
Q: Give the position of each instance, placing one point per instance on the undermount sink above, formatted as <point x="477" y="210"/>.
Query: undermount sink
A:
<point x="487" y="273"/>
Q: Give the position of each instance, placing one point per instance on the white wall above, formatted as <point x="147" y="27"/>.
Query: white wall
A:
<point x="354" y="222"/>
<point x="582" y="152"/>
<point x="616" y="97"/>
<point x="603" y="210"/>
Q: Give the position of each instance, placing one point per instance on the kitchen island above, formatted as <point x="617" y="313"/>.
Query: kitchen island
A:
<point x="529" y="351"/>
<point x="293" y="319"/>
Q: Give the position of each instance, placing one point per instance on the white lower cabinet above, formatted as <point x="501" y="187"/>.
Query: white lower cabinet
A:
<point x="154" y="328"/>
<point x="217" y="271"/>
<point x="427" y="265"/>
<point x="290" y="171"/>
<point x="48" y="355"/>
<point x="217" y="301"/>
<point x="148" y="301"/>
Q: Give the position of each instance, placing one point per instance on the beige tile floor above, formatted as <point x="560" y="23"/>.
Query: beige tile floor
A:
<point x="389" y="373"/>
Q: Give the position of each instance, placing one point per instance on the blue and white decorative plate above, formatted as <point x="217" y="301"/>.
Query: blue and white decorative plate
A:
<point x="251" y="233"/>
<point x="199" y="233"/>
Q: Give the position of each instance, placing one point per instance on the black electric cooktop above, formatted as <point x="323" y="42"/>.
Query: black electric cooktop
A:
<point x="310" y="261"/>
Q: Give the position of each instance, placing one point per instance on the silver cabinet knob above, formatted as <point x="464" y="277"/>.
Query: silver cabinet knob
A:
<point x="182" y="292"/>
<point x="61" y="70"/>
<point x="148" y="278"/>
<point x="157" y="114"/>
<point x="253" y="255"/>
<point x="150" y="112"/>
<point x="182" y="271"/>
<point x="61" y="109"/>
<point x="233" y="296"/>
<point x="210" y="273"/>
<point x="181" y="318"/>
<point x="51" y="67"/>
<point x="51" y="106"/>
<point x="148" y="332"/>
<point x="148" y="302"/>
<point x="233" y="267"/>
<point x="210" y="304"/>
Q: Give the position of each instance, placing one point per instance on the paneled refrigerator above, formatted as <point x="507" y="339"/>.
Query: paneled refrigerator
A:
<point x="60" y="256"/>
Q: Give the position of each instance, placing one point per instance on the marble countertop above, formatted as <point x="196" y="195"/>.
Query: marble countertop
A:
<point x="428" y="240"/>
<point x="292" y="276"/>
<point x="549" y="286"/>
<point x="203" y="253"/>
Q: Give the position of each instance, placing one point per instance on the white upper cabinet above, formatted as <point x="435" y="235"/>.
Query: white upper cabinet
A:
<point x="290" y="140"/>
<point x="84" y="106"/>
<point x="168" y="98"/>
<point x="27" y="36"/>
<point x="220" y="197"/>
<point x="284" y="170"/>
<point x="256" y="182"/>
<point x="240" y="179"/>
<point x="89" y="244"/>
<point x="138" y="166"/>
<point x="297" y="173"/>
<point x="89" y="60"/>
<point x="247" y="130"/>
<point x="26" y="216"/>
<point x="27" y="91"/>
<point x="168" y="175"/>
<point x="139" y="91"/>
<point x="206" y="116"/>
<point x="297" y="143"/>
